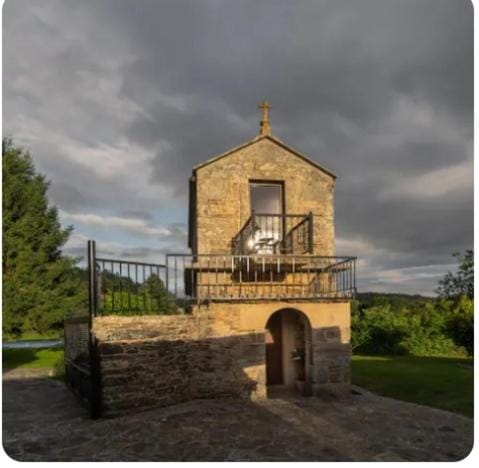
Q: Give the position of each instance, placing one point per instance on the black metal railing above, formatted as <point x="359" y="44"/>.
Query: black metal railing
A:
<point x="132" y="288"/>
<point x="123" y="287"/>
<point x="82" y="365"/>
<point x="252" y="277"/>
<point x="275" y="234"/>
<point x="120" y="287"/>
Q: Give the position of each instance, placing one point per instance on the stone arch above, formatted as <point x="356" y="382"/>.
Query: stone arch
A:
<point x="289" y="354"/>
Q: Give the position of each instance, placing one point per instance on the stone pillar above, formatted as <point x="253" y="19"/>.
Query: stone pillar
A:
<point x="331" y="363"/>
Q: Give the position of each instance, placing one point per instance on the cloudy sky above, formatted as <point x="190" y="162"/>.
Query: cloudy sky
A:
<point x="117" y="99"/>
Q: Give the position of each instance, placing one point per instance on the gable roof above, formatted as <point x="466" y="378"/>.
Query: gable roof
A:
<point x="259" y="138"/>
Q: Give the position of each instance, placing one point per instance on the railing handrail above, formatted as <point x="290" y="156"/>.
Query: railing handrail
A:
<point x="304" y="220"/>
<point x="245" y="277"/>
<point x="182" y="254"/>
<point x="185" y="279"/>
<point x="291" y="233"/>
<point x="279" y="215"/>
<point x="283" y="215"/>
<point x="246" y="224"/>
<point x="112" y="260"/>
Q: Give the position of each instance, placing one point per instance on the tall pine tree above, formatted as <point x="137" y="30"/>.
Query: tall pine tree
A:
<point x="39" y="283"/>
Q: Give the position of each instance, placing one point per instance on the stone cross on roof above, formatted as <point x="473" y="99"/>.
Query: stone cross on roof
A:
<point x="265" y="128"/>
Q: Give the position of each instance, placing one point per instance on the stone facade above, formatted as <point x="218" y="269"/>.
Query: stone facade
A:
<point x="218" y="350"/>
<point x="221" y="197"/>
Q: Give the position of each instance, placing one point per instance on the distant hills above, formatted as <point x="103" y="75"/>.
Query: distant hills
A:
<point x="397" y="301"/>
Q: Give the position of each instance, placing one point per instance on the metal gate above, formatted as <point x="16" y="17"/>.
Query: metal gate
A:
<point x="82" y="366"/>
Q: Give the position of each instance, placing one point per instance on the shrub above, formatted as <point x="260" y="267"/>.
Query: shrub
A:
<point x="59" y="367"/>
<point x="460" y="324"/>
<point x="420" y="331"/>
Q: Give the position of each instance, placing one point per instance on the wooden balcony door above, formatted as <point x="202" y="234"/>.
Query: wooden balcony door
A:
<point x="267" y="202"/>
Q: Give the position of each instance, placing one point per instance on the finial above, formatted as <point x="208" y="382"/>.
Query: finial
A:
<point x="265" y="128"/>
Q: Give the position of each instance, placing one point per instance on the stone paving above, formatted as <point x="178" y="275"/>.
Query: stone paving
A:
<point x="42" y="421"/>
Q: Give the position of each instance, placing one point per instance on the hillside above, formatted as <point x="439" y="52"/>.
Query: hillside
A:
<point x="396" y="301"/>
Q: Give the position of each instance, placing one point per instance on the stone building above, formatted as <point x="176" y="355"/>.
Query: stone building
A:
<point x="268" y="300"/>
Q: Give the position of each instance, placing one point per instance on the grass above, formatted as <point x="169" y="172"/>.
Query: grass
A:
<point x="46" y="358"/>
<point x="440" y="382"/>
<point x="33" y="336"/>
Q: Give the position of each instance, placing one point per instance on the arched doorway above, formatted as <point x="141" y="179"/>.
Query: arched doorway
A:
<point x="288" y="350"/>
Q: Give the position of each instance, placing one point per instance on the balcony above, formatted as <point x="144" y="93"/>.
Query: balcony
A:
<point x="275" y="234"/>
<point x="259" y="277"/>
<point x="134" y="288"/>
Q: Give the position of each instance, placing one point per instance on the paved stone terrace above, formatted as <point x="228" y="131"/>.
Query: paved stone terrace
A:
<point x="43" y="422"/>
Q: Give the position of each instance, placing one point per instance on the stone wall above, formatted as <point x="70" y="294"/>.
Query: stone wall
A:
<point x="149" y="362"/>
<point x="218" y="350"/>
<point x="223" y="197"/>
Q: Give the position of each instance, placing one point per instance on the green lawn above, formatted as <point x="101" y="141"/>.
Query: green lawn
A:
<point x="32" y="336"/>
<point x="31" y="358"/>
<point x="441" y="382"/>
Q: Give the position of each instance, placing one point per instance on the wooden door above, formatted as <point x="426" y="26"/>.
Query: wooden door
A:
<point x="274" y="355"/>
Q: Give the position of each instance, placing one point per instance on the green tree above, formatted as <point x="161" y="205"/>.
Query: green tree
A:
<point x="158" y="296"/>
<point x="461" y="283"/>
<point x="39" y="283"/>
<point x="456" y="292"/>
<point x="418" y="331"/>
<point x="460" y="324"/>
<point x="360" y="331"/>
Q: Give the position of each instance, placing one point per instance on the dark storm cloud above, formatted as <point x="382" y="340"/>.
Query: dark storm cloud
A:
<point x="322" y="62"/>
<point x="379" y="91"/>
<point x="206" y="134"/>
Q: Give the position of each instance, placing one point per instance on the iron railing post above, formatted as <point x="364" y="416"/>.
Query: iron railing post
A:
<point x="95" y="380"/>
<point x="252" y="232"/>
<point x="310" y="232"/>
<point x="95" y="376"/>
<point x="354" y="277"/>
<point x="166" y="274"/>
<point x="92" y="280"/>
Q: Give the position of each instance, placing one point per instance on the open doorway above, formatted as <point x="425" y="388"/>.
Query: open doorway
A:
<point x="274" y="351"/>
<point x="289" y="351"/>
<point x="267" y="202"/>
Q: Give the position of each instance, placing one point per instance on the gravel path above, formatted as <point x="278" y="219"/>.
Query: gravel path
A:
<point x="42" y="421"/>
